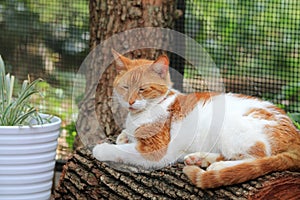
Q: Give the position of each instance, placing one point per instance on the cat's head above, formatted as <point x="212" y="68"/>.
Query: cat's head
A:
<point x="141" y="83"/>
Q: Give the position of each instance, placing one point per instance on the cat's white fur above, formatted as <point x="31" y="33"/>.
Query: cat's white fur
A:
<point x="230" y="133"/>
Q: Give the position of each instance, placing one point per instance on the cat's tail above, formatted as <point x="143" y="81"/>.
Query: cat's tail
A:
<point x="244" y="171"/>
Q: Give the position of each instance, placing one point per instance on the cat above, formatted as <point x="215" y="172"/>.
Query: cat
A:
<point x="165" y="126"/>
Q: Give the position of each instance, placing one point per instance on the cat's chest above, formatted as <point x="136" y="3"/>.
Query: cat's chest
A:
<point x="149" y="116"/>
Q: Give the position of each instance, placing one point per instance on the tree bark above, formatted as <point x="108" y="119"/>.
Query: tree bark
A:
<point x="177" y="62"/>
<point x="108" y="18"/>
<point x="84" y="177"/>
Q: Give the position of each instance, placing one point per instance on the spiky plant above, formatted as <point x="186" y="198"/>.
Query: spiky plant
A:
<point x="17" y="111"/>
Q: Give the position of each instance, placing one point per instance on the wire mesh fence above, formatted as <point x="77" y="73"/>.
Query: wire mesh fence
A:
<point x="47" y="39"/>
<point x="254" y="45"/>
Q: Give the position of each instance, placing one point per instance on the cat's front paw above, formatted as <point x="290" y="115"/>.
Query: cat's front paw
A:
<point x="197" y="158"/>
<point x="122" y="138"/>
<point x="104" y="152"/>
<point x="202" y="159"/>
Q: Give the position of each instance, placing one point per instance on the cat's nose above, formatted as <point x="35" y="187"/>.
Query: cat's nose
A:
<point x="131" y="101"/>
<point x="132" y="98"/>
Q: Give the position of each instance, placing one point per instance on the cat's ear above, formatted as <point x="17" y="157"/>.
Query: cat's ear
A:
<point x="161" y="66"/>
<point x="121" y="61"/>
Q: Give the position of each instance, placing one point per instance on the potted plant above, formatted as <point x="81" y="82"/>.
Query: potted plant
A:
<point x="28" y="142"/>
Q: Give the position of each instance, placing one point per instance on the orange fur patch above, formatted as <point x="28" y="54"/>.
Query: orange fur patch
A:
<point x="260" y="113"/>
<point x="193" y="173"/>
<point x="209" y="179"/>
<point x="258" y="150"/>
<point x="238" y="174"/>
<point x="283" y="136"/>
<point x="277" y="110"/>
<point x="184" y="104"/>
<point x="220" y="158"/>
<point x="153" y="139"/>
<point x="152" y="91"/>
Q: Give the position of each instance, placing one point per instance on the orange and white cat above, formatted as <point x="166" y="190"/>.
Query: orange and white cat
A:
<point x="234" y="137"/>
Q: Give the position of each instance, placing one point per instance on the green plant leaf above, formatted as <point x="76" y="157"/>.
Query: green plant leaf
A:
<point x="17" y="111"/>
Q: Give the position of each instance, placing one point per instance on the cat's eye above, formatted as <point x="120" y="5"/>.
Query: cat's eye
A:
<point x="125" y="87"/>
<point x="142" y="89"/>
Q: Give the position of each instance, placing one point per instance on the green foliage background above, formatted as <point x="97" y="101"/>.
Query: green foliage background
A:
<point x="243" y="35"/>
<point x="36" y="33"/>
<point x="61" y="25"/>
<point x="252" y="38"/>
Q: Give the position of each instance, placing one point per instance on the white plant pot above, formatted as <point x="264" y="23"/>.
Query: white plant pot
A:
<point x="27" y="160"/>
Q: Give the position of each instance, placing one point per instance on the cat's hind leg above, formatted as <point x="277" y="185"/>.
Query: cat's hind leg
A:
<point x="202" y="159"/>
<point x="219" y="173"/>
<point x="225" y="164"/>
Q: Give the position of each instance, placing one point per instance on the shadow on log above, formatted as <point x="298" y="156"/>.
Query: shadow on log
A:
<point x="84" y="177"/>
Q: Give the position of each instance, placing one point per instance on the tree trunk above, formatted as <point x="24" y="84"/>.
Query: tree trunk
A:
<point x="84" y="177"/>
<point x="177" y="62"/>
<point x="107" y="18"/>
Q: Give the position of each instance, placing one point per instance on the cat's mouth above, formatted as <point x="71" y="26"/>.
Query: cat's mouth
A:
<point x="132" y="109"/>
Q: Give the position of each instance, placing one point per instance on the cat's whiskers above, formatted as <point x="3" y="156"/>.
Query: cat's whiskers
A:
<point x="165" y="96"/>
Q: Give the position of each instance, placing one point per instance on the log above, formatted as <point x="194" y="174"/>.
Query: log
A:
<point x="84" y="177"/>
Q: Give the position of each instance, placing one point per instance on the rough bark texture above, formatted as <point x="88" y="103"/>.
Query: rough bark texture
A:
<point x="108" y="18"/>
<point x="84" y="177"/>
